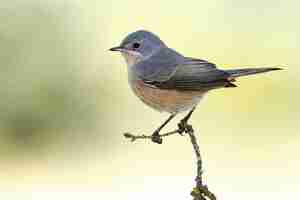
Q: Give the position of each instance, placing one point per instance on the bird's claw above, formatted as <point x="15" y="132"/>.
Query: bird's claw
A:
<point x="184" y="127"/>
<point x="181" y="128"/>
<point x="156" y="138"/>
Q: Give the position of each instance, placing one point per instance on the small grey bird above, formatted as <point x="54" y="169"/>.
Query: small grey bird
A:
<point x="168" y="81"/>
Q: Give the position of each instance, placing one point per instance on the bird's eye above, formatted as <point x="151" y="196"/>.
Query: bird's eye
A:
<point x="136" y="45"/>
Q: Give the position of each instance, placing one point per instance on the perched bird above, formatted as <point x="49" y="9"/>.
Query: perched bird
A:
<point x="168" y="81"/>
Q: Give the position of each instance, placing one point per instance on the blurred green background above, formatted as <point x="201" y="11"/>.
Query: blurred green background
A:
<point x="65" y="101"/>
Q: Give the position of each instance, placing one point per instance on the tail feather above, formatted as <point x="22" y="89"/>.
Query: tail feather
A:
<point x="249" y="71"/>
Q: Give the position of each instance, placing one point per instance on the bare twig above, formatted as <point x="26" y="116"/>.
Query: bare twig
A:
<point x="135" y="137"/>
<point x="200" y="192"/>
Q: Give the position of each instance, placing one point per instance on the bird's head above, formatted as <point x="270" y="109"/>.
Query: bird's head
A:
<point x="138" y="46"/>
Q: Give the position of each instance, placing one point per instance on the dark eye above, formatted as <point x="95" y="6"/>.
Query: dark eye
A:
<point x="136" y="45"/>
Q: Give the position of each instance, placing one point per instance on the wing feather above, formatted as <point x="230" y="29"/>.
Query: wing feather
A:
<point x="159" y="67"/>
<point x="195" y="74"/>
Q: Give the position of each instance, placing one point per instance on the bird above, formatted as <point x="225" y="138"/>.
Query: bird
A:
<point x="168" y="81"/>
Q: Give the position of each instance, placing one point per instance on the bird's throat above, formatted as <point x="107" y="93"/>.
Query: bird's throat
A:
<point x="131" y="59"/>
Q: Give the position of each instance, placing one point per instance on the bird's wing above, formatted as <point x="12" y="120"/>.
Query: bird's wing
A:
<point x="159" y="67"/>
<point x="195" y="74"/>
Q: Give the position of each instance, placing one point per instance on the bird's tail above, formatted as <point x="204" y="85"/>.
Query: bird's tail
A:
<point x="249" y="71"/>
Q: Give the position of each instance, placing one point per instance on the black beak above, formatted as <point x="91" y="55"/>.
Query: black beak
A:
<point x="116" y="48"/>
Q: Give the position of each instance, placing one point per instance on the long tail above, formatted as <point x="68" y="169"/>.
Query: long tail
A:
<point x="249" y="71"/>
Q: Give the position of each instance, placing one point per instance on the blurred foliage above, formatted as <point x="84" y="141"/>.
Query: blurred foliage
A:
<point x="39" y="81"/>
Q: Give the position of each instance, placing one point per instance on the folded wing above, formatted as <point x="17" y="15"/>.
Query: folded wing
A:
<point x="195" y="74"/>
<point x="159" y="67"/>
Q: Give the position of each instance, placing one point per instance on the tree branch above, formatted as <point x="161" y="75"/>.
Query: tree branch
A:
<point x="200" y="191"/>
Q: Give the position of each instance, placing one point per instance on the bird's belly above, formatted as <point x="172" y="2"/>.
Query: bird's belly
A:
<point x="172" y="101"/>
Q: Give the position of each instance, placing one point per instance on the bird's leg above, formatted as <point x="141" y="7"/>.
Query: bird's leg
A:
<point x="183" y="125"/>
<point x="155" y="136"/>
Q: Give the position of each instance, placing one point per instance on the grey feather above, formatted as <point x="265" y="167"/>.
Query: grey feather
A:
<point x="249" y="71"/>
<point x="199" y="62"/>
<point x="159" y="67"/>
<point x="195" y="74"/>
<point x="142" y="35"/>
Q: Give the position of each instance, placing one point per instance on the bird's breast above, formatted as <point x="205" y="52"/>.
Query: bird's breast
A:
<point x="172" y="101"/>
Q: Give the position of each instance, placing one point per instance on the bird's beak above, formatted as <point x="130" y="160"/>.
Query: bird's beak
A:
<point x="119" y="48"/>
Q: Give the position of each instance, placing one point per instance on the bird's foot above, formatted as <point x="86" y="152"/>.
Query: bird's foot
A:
<point x="156" y="138"/>
<point x="184" y="127"/>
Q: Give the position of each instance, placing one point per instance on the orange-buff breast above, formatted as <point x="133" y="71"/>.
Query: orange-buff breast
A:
<point x="172" y="101"/>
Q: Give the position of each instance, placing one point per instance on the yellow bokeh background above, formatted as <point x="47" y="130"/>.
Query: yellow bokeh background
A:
<point x="65" y="101"/>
